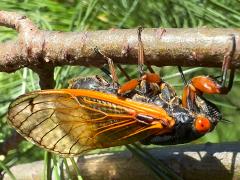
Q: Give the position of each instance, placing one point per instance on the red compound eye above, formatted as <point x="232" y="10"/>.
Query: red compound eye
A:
<point x="202" y="125"/>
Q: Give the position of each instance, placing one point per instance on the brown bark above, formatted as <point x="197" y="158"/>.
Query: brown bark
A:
<point x="207" y="161"/>
<point x="185" y="47"/>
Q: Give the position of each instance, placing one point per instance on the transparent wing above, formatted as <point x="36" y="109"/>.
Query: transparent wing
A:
<point x="70" y="125"/>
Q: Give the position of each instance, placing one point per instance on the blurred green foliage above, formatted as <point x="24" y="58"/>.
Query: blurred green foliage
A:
<point x="78" y="15"/>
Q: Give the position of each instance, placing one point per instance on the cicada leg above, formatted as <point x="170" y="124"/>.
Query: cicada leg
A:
<point x="208" y="84"/>
<point x="145" y="79"/>
<point x="182" y="75"/>
<point x="112" y="73"/>
<point x="112" y="70"/>
<point x="124" y="72"/>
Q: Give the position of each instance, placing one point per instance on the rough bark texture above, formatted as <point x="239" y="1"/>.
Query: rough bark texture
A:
<point x="185" y="47"/>
<point x="207" y="161"/>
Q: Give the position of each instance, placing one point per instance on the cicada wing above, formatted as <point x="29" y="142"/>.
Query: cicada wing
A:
<point x="52" y="121"/>
<point x="70" y="125"/>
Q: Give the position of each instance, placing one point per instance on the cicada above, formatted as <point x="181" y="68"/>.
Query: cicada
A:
<point x="94" y="113"/>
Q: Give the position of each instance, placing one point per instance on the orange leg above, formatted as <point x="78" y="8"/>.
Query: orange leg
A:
<point x="209" y="85"/>
<point x="111" y="68"/>
<point x="203" y="85"/>
<point x="132" y="84"/>
<point x="148" y="77"/>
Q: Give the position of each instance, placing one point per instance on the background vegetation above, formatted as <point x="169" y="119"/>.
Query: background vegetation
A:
<point x="79" y="15"/>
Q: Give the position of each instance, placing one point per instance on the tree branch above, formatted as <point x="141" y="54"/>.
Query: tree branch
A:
<point x="183" y="47"/>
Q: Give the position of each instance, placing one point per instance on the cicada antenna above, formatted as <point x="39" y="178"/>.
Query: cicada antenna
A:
<point x="223" y="120"/>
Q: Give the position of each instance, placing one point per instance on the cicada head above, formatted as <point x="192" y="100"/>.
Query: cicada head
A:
<point x="209" y="110"/>
<point x="194" y="124"/>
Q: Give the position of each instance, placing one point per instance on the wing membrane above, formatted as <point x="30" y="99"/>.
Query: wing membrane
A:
<point x="69" y="125"/>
